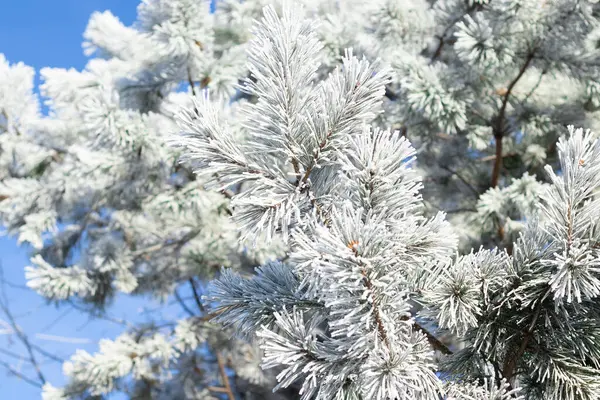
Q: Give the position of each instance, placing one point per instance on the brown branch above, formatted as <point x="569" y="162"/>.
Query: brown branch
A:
<point x="25" y="340"/>
<point x="438" y="50"/>
<point x="196" y="296"/>
<point x="315" y="160"/>
<point x="224" y="377"/>
<point x="217" y="389"/>
<point x="191" y="82"/>
<point x="569" y="228"/>
<point x="497" y="159"/>
<point x="204" y="82"/>
<point x="536" y="86"/>
<point x="510" y="364"/>
<point x="499" y="127"/>
<point x="210" y="316"/>
<point x="433" y="341"/>
<point x="227" y="193"/>
<point x="99" y="315"/>
<point x="500" y="121"/>
<point x="221" y="363"/>
<point x="324" y="142"/>
<point x="404" y="131"/>
<point x="376" y="315"/>
<point x="182" y="304"/>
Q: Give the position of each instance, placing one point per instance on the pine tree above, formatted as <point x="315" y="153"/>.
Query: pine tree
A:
<point x="532" y="317"/>
<point x="486" y="99"/>
<point x="329" y="144"/>
<point x="107" y="209"/>
<point x="339" y="314"/>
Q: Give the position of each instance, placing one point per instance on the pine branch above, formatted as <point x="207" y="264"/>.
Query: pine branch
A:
<point x="370" y="288"/>
<point x="462" y="179"/>
<point x="196" y="296"/>
<point x="376" y="313"/>
<point x="224" y="377"/>
<point x="178" y="243"/>
<point x="442" y="38"/>
<point x="510" y="364"/>
<point x="191" y="81"/>
<point x="433" y="341"/>
<point x="535" y="87"/>
<point x="500" y="120"/>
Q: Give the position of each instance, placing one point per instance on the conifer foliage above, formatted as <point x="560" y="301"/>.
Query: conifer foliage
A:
<point x="338" y="313"/>
<point x="316" y="176"/>
<point x="344" y="195"/>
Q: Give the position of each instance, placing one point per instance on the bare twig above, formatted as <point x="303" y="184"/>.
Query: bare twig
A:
<point x="462" y="179"/>
<point x="191" y="82"/>
<point x="94" y="314"/>
<point x="47" y="354"/>
<point x="11" y="354"/>
<point x="159" y="246"/>
<point x="217" y="389"/>
<point x="4" y="306"/>
<point x="196" y="296"/>
<point x="224" y="377"/>
<point x="16" y="373"/>
<point x="182" y="303"/>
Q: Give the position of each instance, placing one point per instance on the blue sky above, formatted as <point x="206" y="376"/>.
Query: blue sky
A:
<point x="49" y="33"/>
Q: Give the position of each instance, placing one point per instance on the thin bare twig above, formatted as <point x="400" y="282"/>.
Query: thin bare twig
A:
<point x="196" y="296"/>
<point x="4" y="306"/>
<point x="462" y="179"/>
<point x="16" y="373"/>
<point x="191" y="82"/>
<point x="224" y="376"/>
<point x="159" y="246"/>
<point x="182" y="304"/>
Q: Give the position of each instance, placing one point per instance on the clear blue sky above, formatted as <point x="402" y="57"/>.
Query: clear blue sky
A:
<point x="49" y="33"/>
